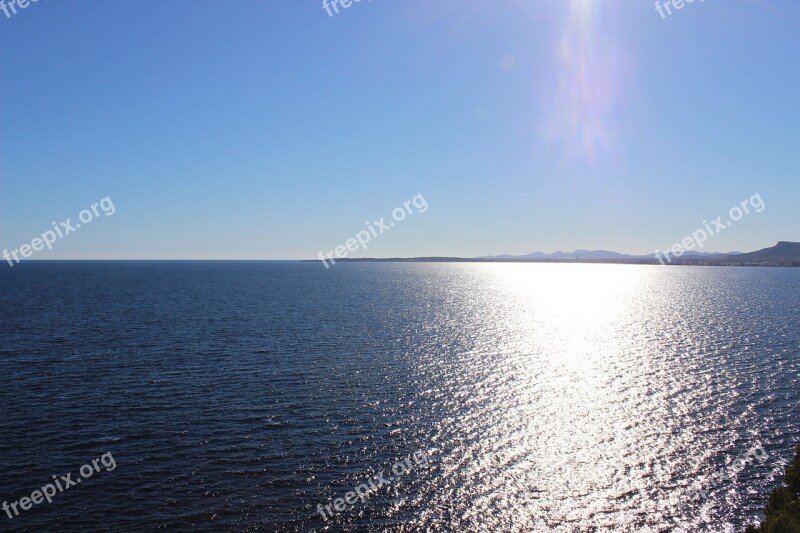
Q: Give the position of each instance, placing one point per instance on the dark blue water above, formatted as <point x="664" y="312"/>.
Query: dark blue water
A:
<point x="241" y="395"/>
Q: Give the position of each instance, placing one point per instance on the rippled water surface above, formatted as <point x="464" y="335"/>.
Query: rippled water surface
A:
<point x="242" y="395"/>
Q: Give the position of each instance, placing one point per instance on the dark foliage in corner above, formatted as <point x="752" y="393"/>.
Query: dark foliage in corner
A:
<point x="782" y="514"/>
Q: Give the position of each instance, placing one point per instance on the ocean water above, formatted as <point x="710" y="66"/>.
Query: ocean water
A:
<point x="242" y="396"/>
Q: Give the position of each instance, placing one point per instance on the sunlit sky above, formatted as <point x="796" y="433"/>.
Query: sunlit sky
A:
<point x="270" y="130"/>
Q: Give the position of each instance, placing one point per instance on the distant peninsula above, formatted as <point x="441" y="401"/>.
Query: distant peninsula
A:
<point x="782" y="254"/>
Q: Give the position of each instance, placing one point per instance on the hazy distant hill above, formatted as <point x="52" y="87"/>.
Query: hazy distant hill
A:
<point x="596" y="255"/>
<point x="577" y="254"/>
<point x="783" y="253"/>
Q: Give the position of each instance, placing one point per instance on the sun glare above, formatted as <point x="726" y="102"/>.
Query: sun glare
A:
<point x="586" y="91"/>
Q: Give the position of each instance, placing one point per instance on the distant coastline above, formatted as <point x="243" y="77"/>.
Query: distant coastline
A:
<point x="783" y="254"/>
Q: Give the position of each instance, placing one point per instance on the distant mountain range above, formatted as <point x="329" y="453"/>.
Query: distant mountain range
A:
<point x="595" y="255"/>
<point x="782" y="254"/>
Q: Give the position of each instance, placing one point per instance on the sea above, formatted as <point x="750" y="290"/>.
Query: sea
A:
<point x="284" y="396"/>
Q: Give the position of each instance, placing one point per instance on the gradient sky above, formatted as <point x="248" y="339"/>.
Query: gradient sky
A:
<point x="268" y="130"/>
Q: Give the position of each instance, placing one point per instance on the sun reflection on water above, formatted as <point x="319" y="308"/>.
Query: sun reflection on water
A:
<point x="570" y="409"/>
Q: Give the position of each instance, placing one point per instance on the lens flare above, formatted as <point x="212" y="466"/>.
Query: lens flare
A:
<point x="587" y="84"/>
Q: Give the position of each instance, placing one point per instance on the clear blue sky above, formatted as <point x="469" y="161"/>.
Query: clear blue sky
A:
<point x="267" y="129"/>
